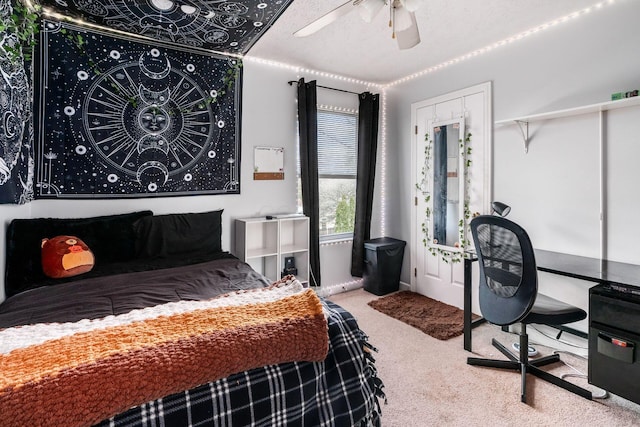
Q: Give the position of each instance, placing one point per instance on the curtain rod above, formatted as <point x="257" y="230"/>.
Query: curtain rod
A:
<point x="291" y="82"/>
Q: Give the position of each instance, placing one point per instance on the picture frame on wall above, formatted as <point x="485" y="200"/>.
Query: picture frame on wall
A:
<point x="268" y="163"/>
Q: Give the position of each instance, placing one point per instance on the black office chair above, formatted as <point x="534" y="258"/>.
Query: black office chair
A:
<point x="509" y="294"/>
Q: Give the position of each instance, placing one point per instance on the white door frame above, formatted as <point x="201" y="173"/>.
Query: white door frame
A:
<point x="482" y="162"/>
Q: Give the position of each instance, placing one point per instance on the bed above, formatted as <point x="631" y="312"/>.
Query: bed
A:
<point x="167" y="329"/>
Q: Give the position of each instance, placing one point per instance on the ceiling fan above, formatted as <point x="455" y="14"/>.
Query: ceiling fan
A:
<point x="402" y="19"/>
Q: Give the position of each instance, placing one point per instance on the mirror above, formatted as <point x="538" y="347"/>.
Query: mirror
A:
<point x="448" y="225"/>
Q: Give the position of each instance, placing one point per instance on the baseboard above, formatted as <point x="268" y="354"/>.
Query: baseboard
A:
<point x="404" y="286"/>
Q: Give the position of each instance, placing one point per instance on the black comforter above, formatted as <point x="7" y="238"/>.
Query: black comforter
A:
<point x="96" y="297"/>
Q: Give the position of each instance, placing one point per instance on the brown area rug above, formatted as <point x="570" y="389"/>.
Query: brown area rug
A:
<point x="435" y="318"/>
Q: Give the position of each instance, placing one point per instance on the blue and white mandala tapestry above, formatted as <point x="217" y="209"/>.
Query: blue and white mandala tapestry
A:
<point x="120" y="118"/>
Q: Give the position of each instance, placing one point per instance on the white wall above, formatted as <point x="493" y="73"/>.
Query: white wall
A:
<point x="578" y="62"/>
<point x="268" y="119"/>
<point x="623" y="175"/>
<point x="553" y="189"/>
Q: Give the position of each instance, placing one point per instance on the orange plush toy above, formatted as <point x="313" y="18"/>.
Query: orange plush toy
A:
<point x="65" y="256"/>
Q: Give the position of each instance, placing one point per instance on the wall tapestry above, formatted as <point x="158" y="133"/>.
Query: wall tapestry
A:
<point x="16" y="133"/>
<point x="219" y="25"/>
<point x="120" y="118"/>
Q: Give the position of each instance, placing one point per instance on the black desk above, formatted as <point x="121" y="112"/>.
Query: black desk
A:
<point x="589" y="269"/>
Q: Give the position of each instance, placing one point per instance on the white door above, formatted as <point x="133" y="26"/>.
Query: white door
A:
<point x="438" y="273"/>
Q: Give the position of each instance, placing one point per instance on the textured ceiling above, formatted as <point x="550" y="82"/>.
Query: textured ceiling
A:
<point x="349" y="47"/>
<point x="448" y="29"/>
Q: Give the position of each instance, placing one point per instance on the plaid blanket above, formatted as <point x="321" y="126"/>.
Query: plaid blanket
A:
<point x="343" y="390"/>
<point x="74" y="374"/>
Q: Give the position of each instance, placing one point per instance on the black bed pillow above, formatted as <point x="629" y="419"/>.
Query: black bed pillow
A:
<point x="179" y="234"/>
<point x="111" y="238"/>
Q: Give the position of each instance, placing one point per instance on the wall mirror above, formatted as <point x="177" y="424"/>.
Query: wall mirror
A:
<point x="448" y="226"/>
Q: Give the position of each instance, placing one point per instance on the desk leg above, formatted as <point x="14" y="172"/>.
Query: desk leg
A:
<point x="467" y="304"/>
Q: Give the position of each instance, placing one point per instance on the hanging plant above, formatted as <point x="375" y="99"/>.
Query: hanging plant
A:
<point x="424" y="186"/>
<point x="228" y="80"/>
<point x="21" y="27"/>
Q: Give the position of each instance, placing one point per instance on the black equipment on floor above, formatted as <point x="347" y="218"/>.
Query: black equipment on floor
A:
<point x="614" y="322"/>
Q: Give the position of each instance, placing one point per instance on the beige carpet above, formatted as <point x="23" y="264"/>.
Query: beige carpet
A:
<point x="428" y="382"/>
<point x="440" y="320"/>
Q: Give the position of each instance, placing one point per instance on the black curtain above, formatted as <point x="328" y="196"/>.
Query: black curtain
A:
<point x="367" y="148"/>
<point x="308" y="130"/>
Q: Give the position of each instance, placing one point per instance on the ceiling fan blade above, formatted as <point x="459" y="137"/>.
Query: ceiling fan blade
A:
<point x="411" y="36"/>
<point x="327" y="19"/>
<point x="410" y="5"/>
<point x="370" y="8"/>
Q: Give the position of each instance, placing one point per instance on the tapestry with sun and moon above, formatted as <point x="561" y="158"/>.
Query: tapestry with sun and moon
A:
<point x="16" y="129"/>
<point x="120" y="118"/>
<point x="230" y="26"/>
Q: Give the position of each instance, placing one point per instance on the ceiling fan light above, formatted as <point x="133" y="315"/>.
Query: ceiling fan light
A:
<point x="402" y="19"/>
<point x="369" y="9"/>
<point x="410" y="5"/>
<point x="410" y="37"/>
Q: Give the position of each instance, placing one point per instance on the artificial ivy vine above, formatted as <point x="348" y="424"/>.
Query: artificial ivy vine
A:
<point x="424" y="186"/>
<point x="228" y="80"/>
<point x="22" y="24"/>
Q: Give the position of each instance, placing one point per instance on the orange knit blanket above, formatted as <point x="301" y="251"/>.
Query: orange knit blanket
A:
<point x="93" y="370"/>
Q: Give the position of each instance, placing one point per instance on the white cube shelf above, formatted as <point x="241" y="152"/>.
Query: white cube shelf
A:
<point x="265" y="243"/>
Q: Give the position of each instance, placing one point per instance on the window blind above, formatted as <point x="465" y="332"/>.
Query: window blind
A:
<point x="337" y="144"/>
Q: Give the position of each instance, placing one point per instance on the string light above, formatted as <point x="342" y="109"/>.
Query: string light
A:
<point x="337" y="109"/>
<point x="383" y="165"/>
<point x="47" y="12"/>
<point x="383" y="129"/>
<point x="382" y="87"/>
<point x="336" y="242"/>
<point x="377" y="86"/>
<point x="504" y="42"/>
<point x="308" y="71"/>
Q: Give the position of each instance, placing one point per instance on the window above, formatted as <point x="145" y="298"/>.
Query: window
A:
<point x="337" y="166"/>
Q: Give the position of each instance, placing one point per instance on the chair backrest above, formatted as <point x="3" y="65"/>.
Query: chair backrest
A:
<point x="508" y="275"/>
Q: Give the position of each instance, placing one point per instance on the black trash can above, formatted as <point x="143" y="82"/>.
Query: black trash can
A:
<point x="382" y="264"/>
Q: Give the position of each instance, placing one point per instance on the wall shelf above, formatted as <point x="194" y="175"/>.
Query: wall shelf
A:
<point x="523" y="122"/>
<point x="602" y="135"/>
